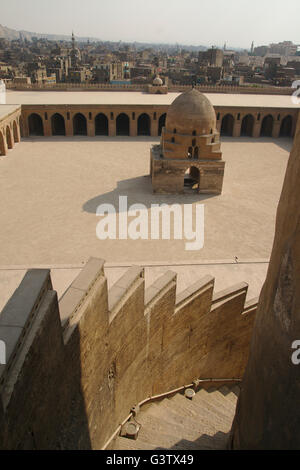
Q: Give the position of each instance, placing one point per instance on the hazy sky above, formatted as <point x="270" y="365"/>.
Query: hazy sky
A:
<point x="207" y="22"/>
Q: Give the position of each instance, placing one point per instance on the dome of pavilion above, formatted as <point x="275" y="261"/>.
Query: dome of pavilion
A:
<point x="191" y="112"/>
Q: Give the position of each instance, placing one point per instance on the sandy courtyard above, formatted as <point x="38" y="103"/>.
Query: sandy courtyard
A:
<point x="50" y="190"/>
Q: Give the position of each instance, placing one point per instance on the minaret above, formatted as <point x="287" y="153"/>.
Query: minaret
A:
<point x="252" y="47"/>
<point x="73" y="55"/>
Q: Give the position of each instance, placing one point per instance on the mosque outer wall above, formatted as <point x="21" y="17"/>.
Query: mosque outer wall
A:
<point x="208" y="88"/>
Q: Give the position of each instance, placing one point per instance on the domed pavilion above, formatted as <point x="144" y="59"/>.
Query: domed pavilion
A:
<point x="189" y="156"/>
<point x="157" y="81"/>
<point x="158" y="87"/>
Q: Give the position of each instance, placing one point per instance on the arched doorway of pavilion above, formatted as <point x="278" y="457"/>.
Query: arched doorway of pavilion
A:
<point x="192" y="180"/>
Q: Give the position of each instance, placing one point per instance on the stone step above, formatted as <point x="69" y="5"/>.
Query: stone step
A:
<point x="231" y="394"/>
<point x="215" y="399"/>
<point x="211" y="403"/>
<point x="159" y="432"/>
<point x="181" y="424"/>
<point x="150" y="438"/>
<point x="197" y="412"/>
<point x="228" y="401"/>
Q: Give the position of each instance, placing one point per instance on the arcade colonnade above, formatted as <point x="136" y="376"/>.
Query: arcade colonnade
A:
<point x="10" y="130"/>
<point x="259" y="123"/>
<point x="76" y="121"/>
<point x="146" y="120"/>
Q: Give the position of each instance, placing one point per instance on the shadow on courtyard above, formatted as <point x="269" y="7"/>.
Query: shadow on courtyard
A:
<point x="139" y="191"/>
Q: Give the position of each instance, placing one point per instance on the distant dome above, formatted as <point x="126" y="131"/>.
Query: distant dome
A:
<point x="157" y="81"/>
<point x="189" y="112"/>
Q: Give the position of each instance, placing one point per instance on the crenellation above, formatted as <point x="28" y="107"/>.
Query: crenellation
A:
<point x="227" y="293"/>
<point x="123" y="289"/>
<point x="250" y="305"/>
<point x="194" y="290"/>
<point x="18" y="314"/>
<point x="158" y="288"/>
<point x="101" y="362"/>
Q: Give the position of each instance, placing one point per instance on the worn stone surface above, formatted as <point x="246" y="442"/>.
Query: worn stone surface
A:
<point x="180" y="424"/>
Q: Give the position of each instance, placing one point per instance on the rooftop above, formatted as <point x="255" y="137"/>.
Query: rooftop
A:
<point x="6" y="109"/>
<point x="139" y="98"/>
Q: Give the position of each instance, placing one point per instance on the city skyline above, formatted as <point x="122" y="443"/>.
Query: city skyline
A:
<point x="165" y="23"/>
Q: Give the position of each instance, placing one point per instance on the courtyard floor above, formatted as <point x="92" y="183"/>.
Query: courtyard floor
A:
<point x="51" y="187"/>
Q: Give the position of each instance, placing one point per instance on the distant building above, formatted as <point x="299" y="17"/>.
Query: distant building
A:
<point x="212" y="57"/>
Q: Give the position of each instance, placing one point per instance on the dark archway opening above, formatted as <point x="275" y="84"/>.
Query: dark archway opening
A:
<point x="196" y="152"/>
<point x="247" y="126"/>
<point x="2" y="145"/>
<point x="101" y="124"/>
<point x="79" y="124"/>
<point x="21" y="124"/>
<point x="35" y="124"/>
<point x="58" y="125"/>
<point x="9" y="138"/>
<point x="144" y="124"/>
<point x="15" y="132"/>
<point x="227" y="125"/>
<point x="286" y="127"/>
<point x="192" y="180"/>
<point x="161" y="123"/>
<point x="267" y="126"/>
<point x="122" y="124"/>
